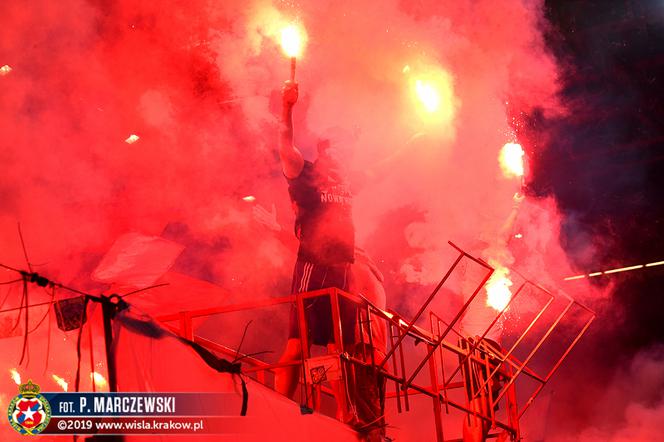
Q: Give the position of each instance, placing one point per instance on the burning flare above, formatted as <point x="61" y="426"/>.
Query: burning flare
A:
<point x="61" y="382"/>
<point x="428" y="95"/>
<point x="431" y="89"/>
<point x="293" y="38"/>
<point x="498" y="289"/>
<point x="16" y="376"/>
<point x="511" y="160"/>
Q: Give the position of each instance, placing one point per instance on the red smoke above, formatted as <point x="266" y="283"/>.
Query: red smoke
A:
<point x="197" y="82"/>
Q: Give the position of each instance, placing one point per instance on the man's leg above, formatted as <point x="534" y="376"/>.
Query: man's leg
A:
<point x="475" y="429"/>
<point x="367" y="393"/>
<point x="286" y="378"/>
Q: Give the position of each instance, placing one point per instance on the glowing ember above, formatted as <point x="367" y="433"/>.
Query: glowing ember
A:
<point x="428" y="95"/>
<point x="6" y="69"/>
<point x="99" y="380"/>
<point x="16" y="376"/>
<point x="61" y="382"/>
<point x="511" y="160"/>
<point x="249" y="198"/>
<point x="132" y="139"/>
<point x="498" y="289"/>
<point x="293" y="39"/>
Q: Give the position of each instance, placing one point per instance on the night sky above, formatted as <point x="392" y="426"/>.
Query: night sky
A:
<point x="604" y="160"/>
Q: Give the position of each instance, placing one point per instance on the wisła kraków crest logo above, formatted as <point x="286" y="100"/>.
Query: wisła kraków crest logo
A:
<point x="29" y="412"/>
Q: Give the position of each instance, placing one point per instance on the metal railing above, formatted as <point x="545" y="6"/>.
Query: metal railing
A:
<point x="501" y="368"/>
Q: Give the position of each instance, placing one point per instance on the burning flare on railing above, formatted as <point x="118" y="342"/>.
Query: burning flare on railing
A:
<point x="498" y="289"/>
<point x="16" y="376"/>
<point x="61" y="382"/>
<point x="511" y="160"/>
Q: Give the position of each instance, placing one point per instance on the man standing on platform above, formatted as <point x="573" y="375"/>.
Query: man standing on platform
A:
<point x="324" y="227"/>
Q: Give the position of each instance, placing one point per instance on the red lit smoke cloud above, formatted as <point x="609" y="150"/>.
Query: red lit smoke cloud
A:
<point x="629" y="407"/>
<point x="198" y="82"/>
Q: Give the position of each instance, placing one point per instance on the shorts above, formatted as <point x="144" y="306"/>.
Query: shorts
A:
<point x="318" y="311"/>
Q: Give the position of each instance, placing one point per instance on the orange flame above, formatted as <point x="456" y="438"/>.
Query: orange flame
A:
<point x="16" y="376"/>
<point x="293" y="38"/>
<point x="511" y="160"/>
<point x="498" y="289"/>
<point x="61" y="382"/>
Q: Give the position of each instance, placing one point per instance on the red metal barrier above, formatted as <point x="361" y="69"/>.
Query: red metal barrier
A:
<point x="501" y="368"/>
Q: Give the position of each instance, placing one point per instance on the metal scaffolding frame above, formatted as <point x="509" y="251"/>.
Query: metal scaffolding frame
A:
<point x="501" y="368"/>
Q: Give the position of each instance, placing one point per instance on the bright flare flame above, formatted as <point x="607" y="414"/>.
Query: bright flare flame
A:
<point x="98" y="379"/>
<point x="293" y="38"/>
<point x="511" y="160"/>
<point x="16" y="376"/>
<point x="430" y="88"/>
<point x="60" y="381"/>
<point x="498" y="289"/>
<point x="428" y="95"/>
<point x="6" y="69"/>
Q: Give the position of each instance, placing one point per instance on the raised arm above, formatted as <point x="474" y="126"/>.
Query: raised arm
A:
<point x="507" y="229"/>
<point x="292" y="161"/>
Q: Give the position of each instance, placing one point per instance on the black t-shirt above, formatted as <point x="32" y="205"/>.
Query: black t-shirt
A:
<point x="323" y="223"/>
